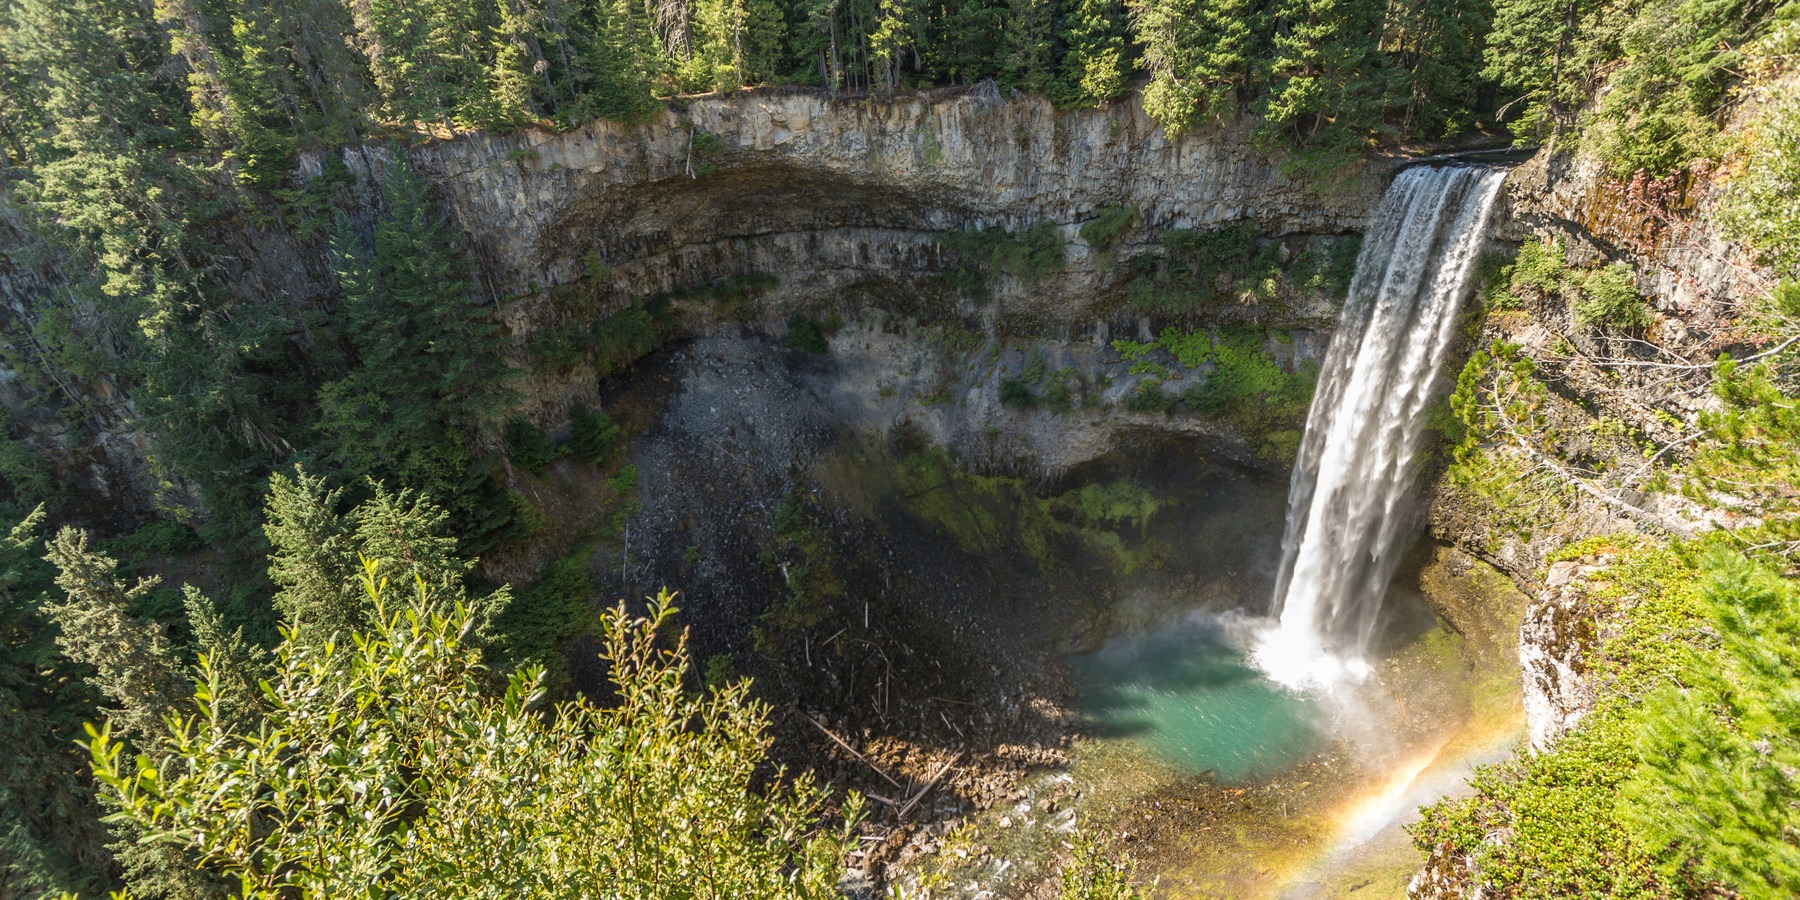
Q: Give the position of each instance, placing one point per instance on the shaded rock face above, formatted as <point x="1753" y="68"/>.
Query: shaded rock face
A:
<point x="1665" y="228"/>
<point x="826" y="194"/>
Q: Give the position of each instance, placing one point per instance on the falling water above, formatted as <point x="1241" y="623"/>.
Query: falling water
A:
<point x="1350" y="507"/>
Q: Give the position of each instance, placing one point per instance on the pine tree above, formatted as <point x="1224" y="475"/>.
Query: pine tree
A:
<point x="313" y="558"/>
<point x="1324" y="79"/>
<point x="425" y="379"/>
<point x="719" y="33"/>
<point x="1032" y="47"/>
<point x="1436" y="47"/>
<point x="894" y="39"/>
<point x="963" y="39"/>
<point x="134" y="665"/>
<point x="617" y="56"/>
<point x="1198" y="53"/>
<point x="1531" y="52"/>
<point x="239" y="665"/>
<point x="51" y="840"/>
<point x="1099" y="56"/>
<point x="429" y="59"/>
<point x="518" y="61"/>
<point x="1720" y="750"/>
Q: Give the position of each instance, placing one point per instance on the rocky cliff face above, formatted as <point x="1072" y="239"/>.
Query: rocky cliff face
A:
<point x="826" y="193"/>
<point x="850" y="207"/>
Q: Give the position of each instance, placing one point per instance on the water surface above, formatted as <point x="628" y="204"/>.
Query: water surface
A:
<point x="1190" y="696"/>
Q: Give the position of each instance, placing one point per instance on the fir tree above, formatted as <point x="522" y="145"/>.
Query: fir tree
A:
<point x="1324" y="81"/>
<point x="51" y="840"/>
<point x="424" y="381"/>
<point x="313" y="558"/>
<point x="1032" y="48"/>
<point x="1099" y="55"/>
<point x="1198" y="53"/>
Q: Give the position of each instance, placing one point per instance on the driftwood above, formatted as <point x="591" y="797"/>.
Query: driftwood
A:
<point x="852" y="751"/>
<point x="929" y="784"/>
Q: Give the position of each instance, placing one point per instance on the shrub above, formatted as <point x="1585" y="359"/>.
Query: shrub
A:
<point x="1539" y="267"/>
<point x="1760" y="209"/>
<point x="1197" y="268"/>
<point x="1027" y="255"/>
<point x="624" y="339"/>
<point x="1609" y="299"/>
<point x="540" y="618"/>
<point x="595" y="434"/>
<point x="529" y="446"/>
<point x="410" y="791"/>
<point x="1107" y="225"/>
<point x="1016" y="394"/>
<point x="157" y="537"/>
<point x="806" y="333"/>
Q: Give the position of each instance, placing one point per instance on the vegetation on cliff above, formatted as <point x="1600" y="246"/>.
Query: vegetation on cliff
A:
<point x="1679" y="782"/>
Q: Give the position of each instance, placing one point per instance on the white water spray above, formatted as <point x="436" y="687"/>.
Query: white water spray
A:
<point x="1350" y="510"/>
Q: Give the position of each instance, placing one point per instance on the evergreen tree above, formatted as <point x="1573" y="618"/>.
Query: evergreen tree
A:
<point x="765" y="41"/>
<point x="720" y="27"/>
<point x="134" y="665"/>
<point x="429" y="59"/>
<point x="1720" y="750"/>
<point x="313" y="558"/>
<point x="893" y="42"/>
<point x="51" y="840"/>
<point x="964" y="39"/>
<point x="1324" y="78"/>
<point x="1099" y="56"/>
<point x="1435" y="47"/>
<point x="1531" y="52"/>
<point x="1032" y="48"/>
<point x="617" y="58"/>
<point x="235" y="84"/>
<point x="518" y="62"/>
<point x="317" y="551"/>
<point x="1198" y="53"/>
<point x="239" y="663"/>
<point x="424" y="380"/>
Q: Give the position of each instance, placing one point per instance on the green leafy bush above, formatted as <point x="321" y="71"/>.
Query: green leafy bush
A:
<point x="157" y="537"/>
<point x="1028" y="255"/>
<point x="1539" y="267"/>
<point x="1197" y="269"/>
<point x="621" y="340"/>
<point x="407" y="793"/>
<point x="1610" y="299"/>
<point x="806" y="333"/>
<point x="555" y="609"/>
<point x="1015" y="393"/>
<point x="1759" y="208"/>
<point x="1107" y="225"/>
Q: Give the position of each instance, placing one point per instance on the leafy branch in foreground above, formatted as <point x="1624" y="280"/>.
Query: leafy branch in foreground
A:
<point x="381" y="767"/>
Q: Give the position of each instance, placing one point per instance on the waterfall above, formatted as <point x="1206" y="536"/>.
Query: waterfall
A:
<point x="1351" y="512"/>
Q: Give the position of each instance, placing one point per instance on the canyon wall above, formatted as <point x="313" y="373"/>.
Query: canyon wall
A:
<point x="824" y="192"/>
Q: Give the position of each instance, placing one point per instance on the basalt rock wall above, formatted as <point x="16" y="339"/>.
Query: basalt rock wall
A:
<point x="826" y="194"/>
